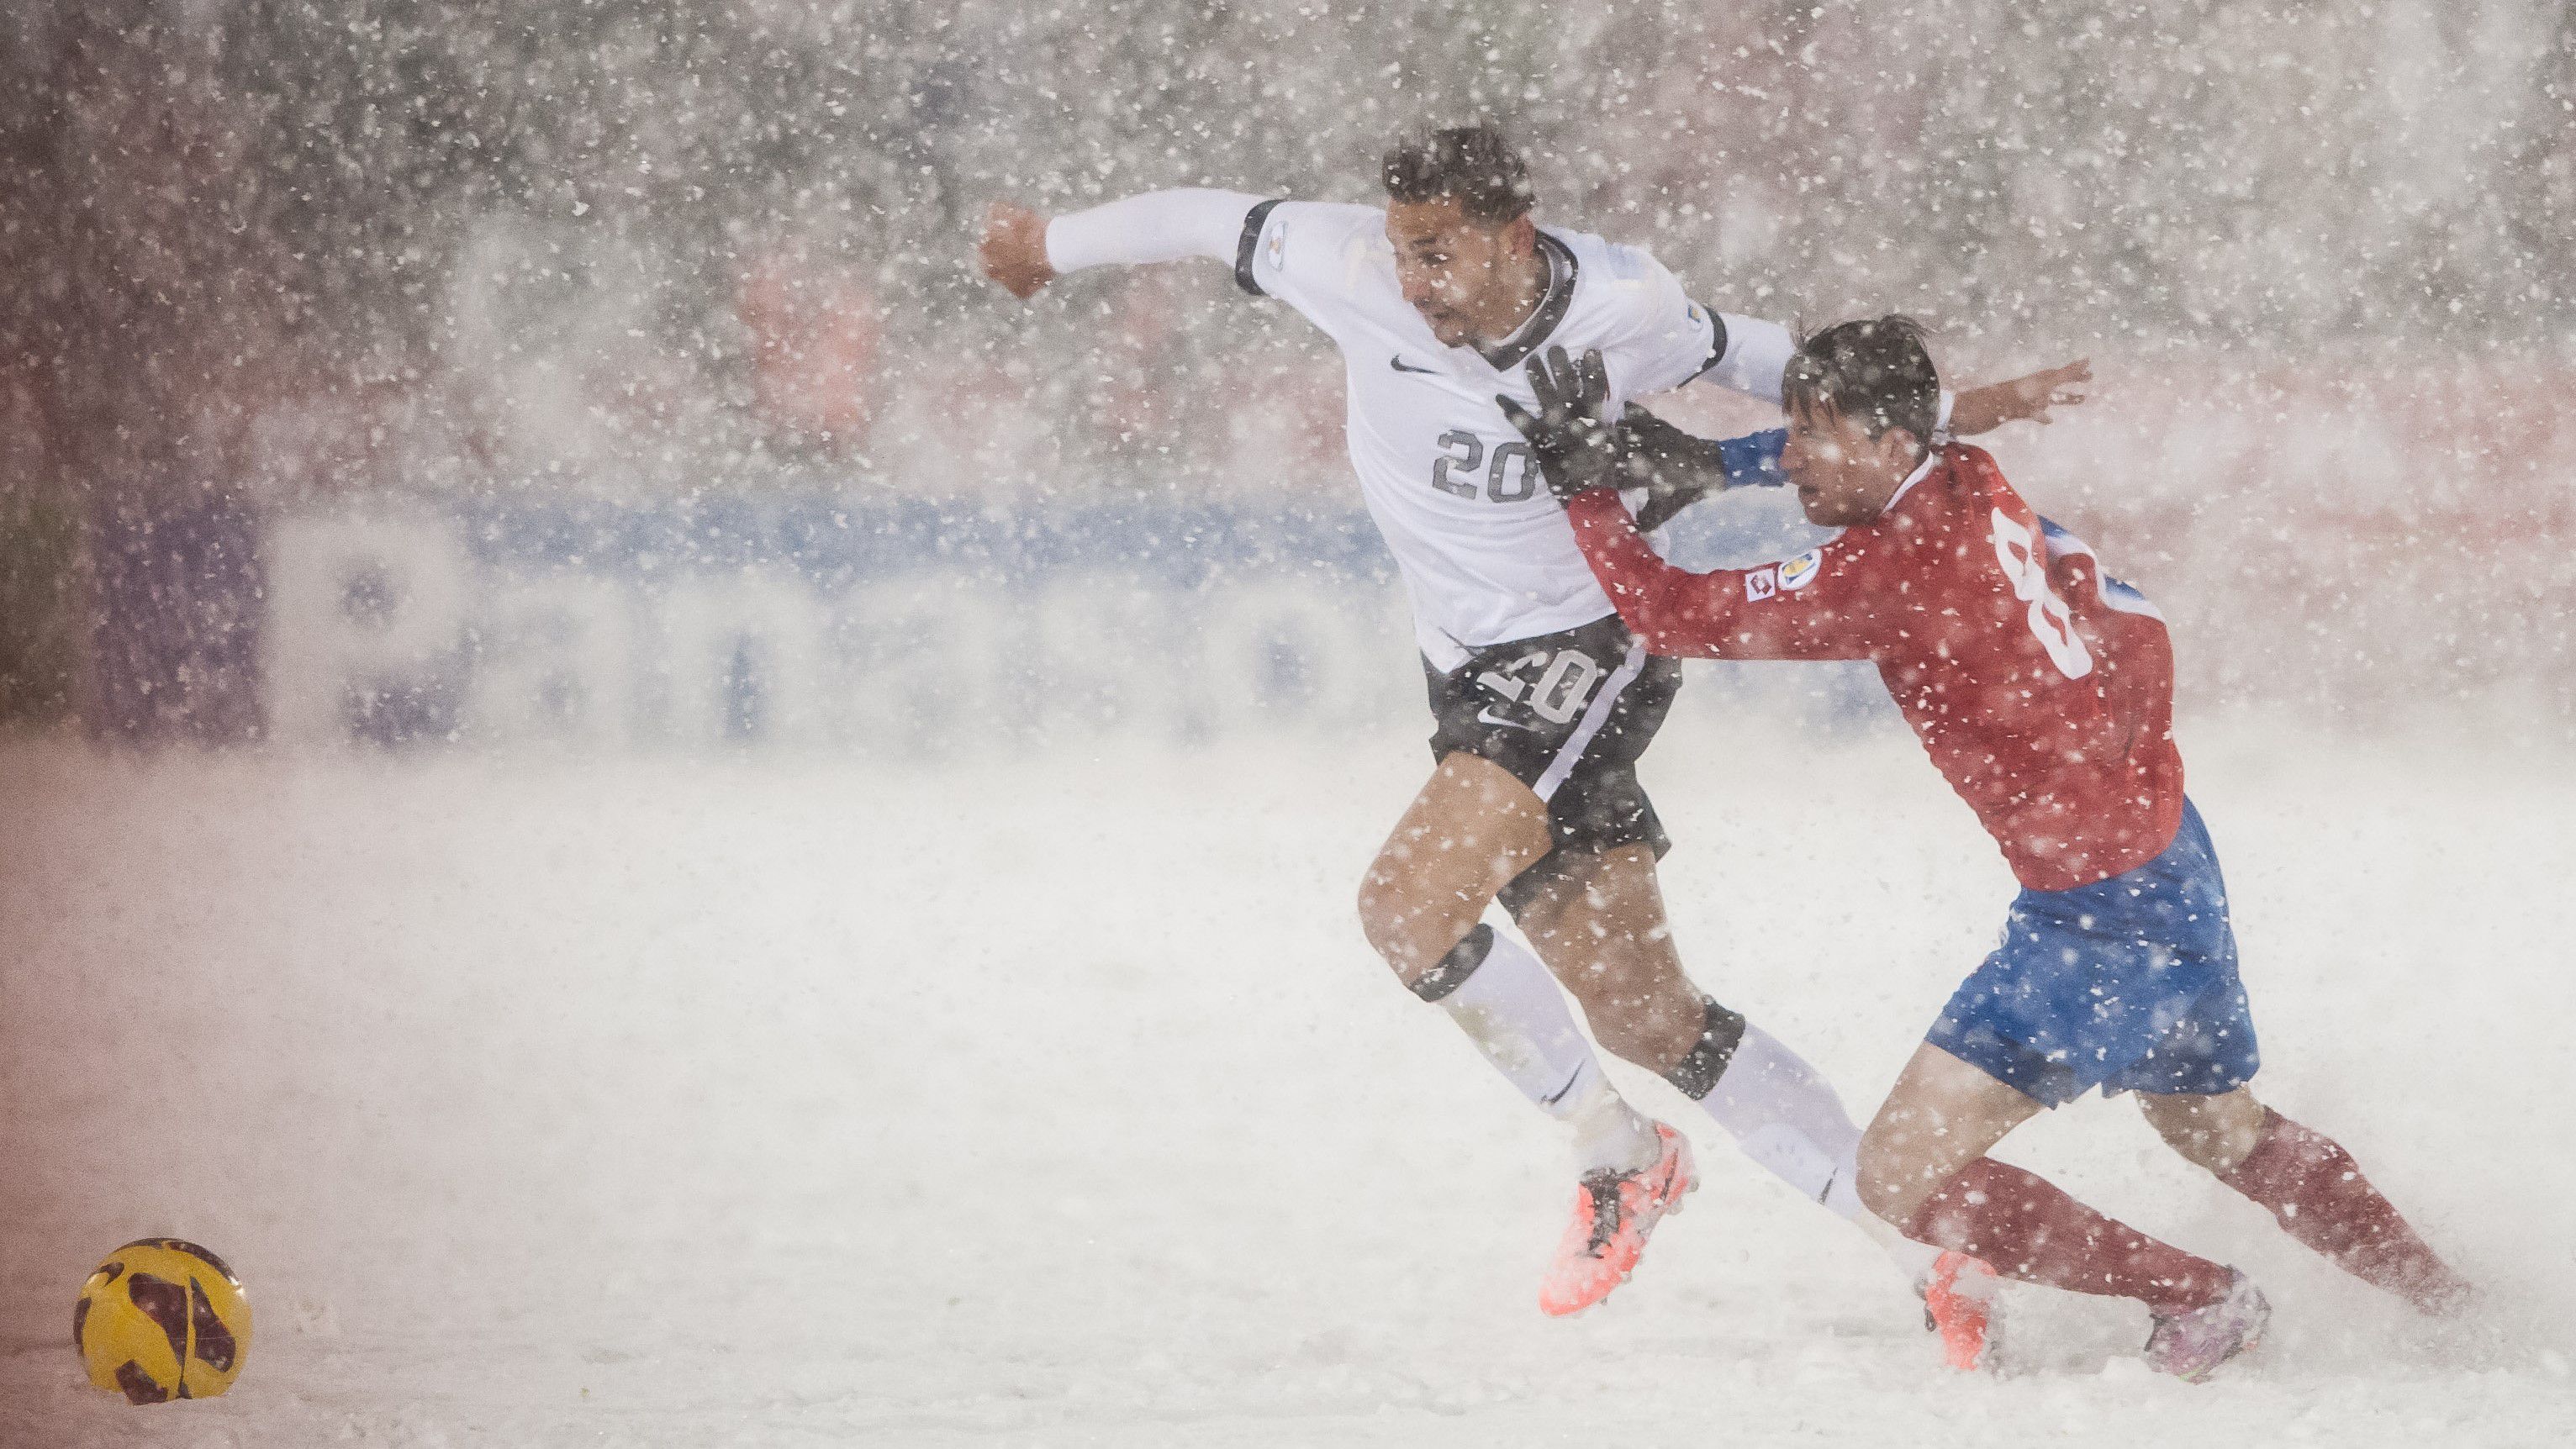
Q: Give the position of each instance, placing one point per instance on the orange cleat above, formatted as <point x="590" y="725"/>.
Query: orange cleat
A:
<point x="1958" y="1304"/>
<point x="1614" y="1213"/>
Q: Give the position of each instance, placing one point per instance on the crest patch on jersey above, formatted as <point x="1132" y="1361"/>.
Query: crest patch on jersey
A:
<point x="1799" y="572"/>
<point x="1277" y="245"/>
<point x="1760" y="584"/>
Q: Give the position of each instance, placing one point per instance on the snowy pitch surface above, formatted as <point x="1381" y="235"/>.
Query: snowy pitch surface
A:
<point x="1060" y="1103"/>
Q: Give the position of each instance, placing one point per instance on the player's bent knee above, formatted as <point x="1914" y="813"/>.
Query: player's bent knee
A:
<point x="1423" y="947"/>
<point x="2176" y="1119"/>
<point x="1385" y="909"/>
<point x="1374" y="907"/>
<point x="2213" y="1132"/>
<point x="1540" y="915"/>
<point x="2161" y="1116"/>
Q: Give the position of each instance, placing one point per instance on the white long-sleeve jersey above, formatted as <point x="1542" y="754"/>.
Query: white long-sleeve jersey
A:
<point x="1486" y="555"/>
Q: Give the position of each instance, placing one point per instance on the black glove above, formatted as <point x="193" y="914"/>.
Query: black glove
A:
<point x="1576" y="447"/>
<point x="1676" y="469"/>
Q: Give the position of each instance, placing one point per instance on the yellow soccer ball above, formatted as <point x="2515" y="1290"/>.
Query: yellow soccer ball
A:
<point x="162" y="1319"/>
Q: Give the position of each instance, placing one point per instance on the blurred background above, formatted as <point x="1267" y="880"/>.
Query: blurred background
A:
<point x="469" y="373"/>
<point x="673" y="822"/>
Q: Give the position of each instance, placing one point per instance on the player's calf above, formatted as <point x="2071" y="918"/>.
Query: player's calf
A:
<point x="1509" y="1007"/>
<point x="1642" y="1010"/>
<point x="2211" y="1131"/>
<point x="2312" y="1187"/>
<point x="1597" y="919"/>
<point x="1923" y="1169"/>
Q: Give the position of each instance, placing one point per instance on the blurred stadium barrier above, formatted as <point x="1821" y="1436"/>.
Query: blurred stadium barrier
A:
<point x="818" y="624"/>
<point x="2350" y="547"/>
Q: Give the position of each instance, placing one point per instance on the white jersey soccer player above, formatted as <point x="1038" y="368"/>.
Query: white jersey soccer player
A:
<point x="1484" y="552"/>
<point x="1541" y="699"/>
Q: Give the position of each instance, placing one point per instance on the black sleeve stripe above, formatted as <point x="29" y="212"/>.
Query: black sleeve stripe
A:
<point x="1717" y="339"/>
<point x="1250" y="246"/>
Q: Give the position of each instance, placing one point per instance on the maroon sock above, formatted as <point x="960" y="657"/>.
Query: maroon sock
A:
<point x="2316" y="1192"/>
<point x="2030" y="1230"/>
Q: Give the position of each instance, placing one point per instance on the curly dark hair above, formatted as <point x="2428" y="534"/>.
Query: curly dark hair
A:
<point x="1473" y="165"/>
<point x="1875" y="369"/>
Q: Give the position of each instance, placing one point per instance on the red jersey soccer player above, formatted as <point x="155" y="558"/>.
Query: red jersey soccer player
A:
<point x="2043" y="689"/>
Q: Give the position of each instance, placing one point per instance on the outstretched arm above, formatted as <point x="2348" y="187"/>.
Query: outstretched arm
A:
<point x="1814" y="606"/>
<point x="1751" y="355"/>
<point x="1024" y="250"/>
<point x="1983" y="409"/>
<point x="1679" y="469"/>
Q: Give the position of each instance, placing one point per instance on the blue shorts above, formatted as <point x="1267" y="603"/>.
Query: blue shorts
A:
<point x="2127" y="984"/>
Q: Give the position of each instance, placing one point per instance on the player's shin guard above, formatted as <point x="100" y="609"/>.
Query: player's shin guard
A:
<point x="2316" y="1192"/>
<point x="1776" y="1108"/>
<point x="2031" y="1230"/>
<point x="1504" y="999"/>
<point x="1787" y="1117"/>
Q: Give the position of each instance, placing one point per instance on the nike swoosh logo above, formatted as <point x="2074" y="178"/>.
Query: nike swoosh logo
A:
<point x="1486" y="716"/>
<point x="1398" y="364"/>
<point x="1559" y="1094"/>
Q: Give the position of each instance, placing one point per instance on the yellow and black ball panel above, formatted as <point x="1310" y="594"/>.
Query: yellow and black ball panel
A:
<point x="162" y="1319"/>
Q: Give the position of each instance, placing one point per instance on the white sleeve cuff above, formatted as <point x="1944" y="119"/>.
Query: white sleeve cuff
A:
<point x="1757" y="353"/>
<point x="1159" y="226"/>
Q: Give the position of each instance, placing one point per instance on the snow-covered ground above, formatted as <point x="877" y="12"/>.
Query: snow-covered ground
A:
<point x="1059" y="1102"/>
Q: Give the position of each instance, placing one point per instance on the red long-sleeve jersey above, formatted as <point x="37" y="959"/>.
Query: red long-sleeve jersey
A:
<point x="2042" y="688"/>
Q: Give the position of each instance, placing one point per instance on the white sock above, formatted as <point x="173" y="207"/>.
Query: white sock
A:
<point x="1787" y="1118"/>
<point x="1510" y="1007"/>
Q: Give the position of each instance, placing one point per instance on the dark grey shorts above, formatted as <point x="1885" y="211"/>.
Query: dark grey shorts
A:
<point x="1568" y="714"/>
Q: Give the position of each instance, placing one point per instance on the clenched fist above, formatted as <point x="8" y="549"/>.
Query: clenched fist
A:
<point x="1013" y="249"/>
